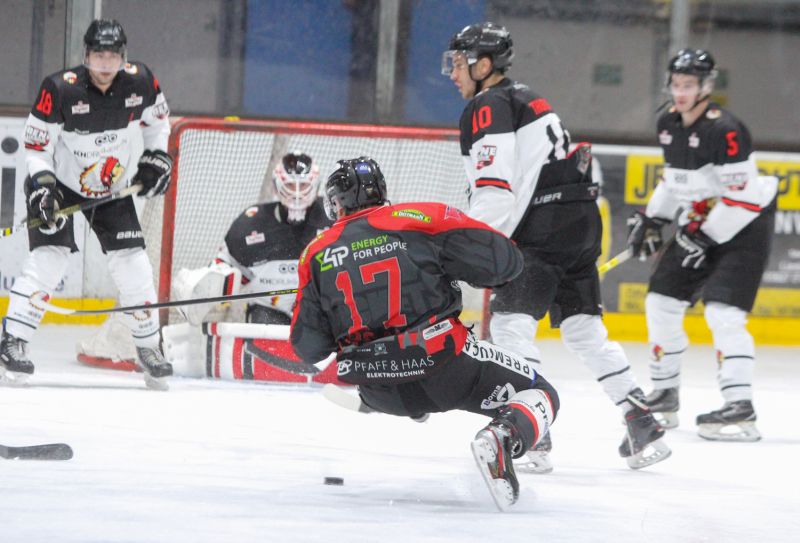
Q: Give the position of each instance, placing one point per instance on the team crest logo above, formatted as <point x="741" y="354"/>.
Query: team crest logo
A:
<point x="131" y="68"/>
<point x="70" y="77"/>
<point x="713" y="113"/>
<point x="694" y="140"/>
<point x="100" y="176"/>
<point x="451" y="212"/>
<point x="486" y="156"/>
<point x="664" y="138"/>
<point x="251" y="211"/>
<point x="657" y="353"/>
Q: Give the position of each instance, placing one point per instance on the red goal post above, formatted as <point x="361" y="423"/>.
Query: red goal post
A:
<point x="222" y="166"/>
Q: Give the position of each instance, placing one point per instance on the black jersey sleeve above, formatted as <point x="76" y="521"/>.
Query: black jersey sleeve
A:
<point x="47" y="107"/>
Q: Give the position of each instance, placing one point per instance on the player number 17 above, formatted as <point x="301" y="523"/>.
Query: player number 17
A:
<point x="368" y="272"/>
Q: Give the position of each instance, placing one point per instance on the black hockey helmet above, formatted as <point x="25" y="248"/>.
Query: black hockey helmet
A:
<point x="477" y="40"/>
<point x="296" y="180"/>
<point x="105" y="35"/>
<point x="355" y="184"/>
<point x="693" y="62"/>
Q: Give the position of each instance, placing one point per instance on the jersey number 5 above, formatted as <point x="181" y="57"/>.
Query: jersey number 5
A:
<point x="389" y="266"/>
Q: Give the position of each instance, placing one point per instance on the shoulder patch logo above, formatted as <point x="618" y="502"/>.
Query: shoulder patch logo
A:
<point x="486" y="156"/>
<point x="251" y="211"/>
<point x="131" y="68"/>
<point x="713" y="113"/>
<point x="70" y="77"/>
<point x="411" y="214"/>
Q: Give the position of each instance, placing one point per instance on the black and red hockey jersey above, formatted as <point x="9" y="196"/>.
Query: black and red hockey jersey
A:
<point x="509" y="134"/>
<point x="710" y="174"/>
<point x="387" y="269"/>
<point x="91" y="140"/>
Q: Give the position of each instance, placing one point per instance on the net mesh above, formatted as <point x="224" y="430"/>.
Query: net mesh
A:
<point x="222" y="169"/>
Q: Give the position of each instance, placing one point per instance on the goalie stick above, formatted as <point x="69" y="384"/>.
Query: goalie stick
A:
<point x="71" y="210"/>
<point x="40" y="300"/>
<point x="48" y="451"/>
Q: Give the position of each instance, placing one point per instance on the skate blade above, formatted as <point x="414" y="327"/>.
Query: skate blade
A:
<point x="534" y="462"/>
<point x="500" y="489"/>
<point x="13" y="378"/>
<point x="156" y="383"/>
<point x="741" y="431"/>
<point x="653" y="453"/>
<point x="667" y="419"/>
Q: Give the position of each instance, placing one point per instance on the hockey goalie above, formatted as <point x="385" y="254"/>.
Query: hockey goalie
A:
<point x="259" y="253"/>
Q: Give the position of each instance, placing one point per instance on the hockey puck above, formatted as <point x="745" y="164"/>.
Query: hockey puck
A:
<point x="336" y="481"/>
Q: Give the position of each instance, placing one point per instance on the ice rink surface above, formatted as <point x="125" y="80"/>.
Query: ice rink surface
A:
<point x="232" y="462"/>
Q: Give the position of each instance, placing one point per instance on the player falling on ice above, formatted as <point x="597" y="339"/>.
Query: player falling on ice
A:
<point x="380" y="288"/>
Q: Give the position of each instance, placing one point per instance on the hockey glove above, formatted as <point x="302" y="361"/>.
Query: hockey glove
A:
<point x="644" y="234"/>
<point x="44" y="200"/>
<point x="695" y="245"/>
<point x="153" y="173"/>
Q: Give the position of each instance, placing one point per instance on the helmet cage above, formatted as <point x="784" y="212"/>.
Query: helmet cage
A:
<point x="296" y="181"/>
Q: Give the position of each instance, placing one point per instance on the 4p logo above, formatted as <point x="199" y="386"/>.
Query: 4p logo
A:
<point x="332" y="258"/>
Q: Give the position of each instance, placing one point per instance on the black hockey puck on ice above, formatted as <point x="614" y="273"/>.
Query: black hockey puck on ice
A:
<point x="336" y="481"/>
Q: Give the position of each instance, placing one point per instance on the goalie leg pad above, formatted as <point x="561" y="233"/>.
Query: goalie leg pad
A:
<point x="586" y="336"/>
<point x="43" y="270"/>
<point x="133" y="275"/>
<point x="218" y="279"/>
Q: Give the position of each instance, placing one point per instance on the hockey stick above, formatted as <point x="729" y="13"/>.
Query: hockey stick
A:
<point x="614" y="262"/>
<point x="49" y="451"/>
<point x="39" y="300"/>
<point x="71" y="210"/>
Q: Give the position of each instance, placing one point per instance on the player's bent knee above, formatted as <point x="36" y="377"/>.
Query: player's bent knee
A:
<point x="584" y="333"/>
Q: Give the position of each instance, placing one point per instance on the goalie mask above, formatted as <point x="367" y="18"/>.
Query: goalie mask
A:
<point x="296" y="183"/>
<point x="355" y="184"/>
<point x="105" y="35"/>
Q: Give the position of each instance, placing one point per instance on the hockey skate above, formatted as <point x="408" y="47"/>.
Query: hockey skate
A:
<point x="537" y="459"/>
<point x="664" y="405"/>
<point x="15" y="366"/>
<point x="734" y="421"/>
<point x="642" y="445"/>
<point x="492" y="451"/>
<point x="154" y="367"/>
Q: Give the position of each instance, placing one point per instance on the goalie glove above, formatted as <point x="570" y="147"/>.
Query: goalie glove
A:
<point x="695" y="245"/>
<point x="153" y="173"/>
<point x="44" y="199"/>
<point x="644" y="235"/>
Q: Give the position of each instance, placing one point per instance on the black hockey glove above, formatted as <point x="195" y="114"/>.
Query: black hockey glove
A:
<point x="154" y="172"/>
<point x="644" y="235"/>
<point x="44" y="198"/>
<point x="695" y="245"/>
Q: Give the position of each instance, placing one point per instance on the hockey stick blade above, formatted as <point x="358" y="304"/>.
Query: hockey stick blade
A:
<point x="40" y="300"/>
<point x="48" y="451"/>
<point x="614" y="262"/>
<point x="71" y="210"/>
<point x="344" y="399"/>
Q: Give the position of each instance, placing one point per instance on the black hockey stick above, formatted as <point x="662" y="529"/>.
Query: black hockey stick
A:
<point x="299" y="367"/>
<point x="71" y="210"/>
<point x="49" y="451"/>
<point x="39" y="300"/>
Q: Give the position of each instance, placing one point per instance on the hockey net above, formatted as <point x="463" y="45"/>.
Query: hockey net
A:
<point x="223" y="166"/>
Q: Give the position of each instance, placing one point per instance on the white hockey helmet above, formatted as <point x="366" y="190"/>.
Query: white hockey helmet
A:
<point x="296" y="180"/>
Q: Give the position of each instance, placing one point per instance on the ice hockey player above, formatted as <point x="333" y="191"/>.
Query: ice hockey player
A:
<point x="726" y="214"/>
<point x="526" y="183"/>
<point x="261" y="247"/>
<point x="82" y="140"/>
<point x="380" y="288"/>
